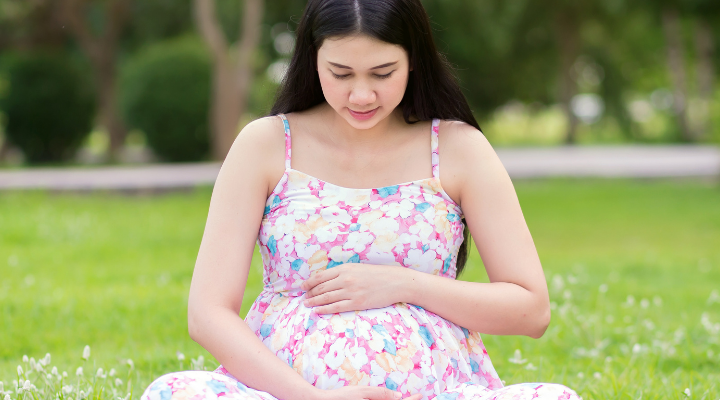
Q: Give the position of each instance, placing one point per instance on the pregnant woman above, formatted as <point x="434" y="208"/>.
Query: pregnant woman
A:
<point x="361" y="190"/>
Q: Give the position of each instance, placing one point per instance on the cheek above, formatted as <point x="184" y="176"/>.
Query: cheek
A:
<point x="333" y="89"/>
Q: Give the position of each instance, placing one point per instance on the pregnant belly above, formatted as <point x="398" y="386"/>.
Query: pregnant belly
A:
<point x="399" y="346"/>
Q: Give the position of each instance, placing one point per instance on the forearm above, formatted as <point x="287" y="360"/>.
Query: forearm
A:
<point x="227" y="337"/>
<point x="498" y="308"/>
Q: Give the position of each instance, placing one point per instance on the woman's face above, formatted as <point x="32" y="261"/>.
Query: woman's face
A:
<point x="363" y="79"/>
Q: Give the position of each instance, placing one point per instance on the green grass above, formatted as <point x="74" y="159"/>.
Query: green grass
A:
<point x="113" y="271"/>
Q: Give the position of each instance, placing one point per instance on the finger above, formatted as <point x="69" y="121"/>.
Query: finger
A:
<point x="319" y="277"/>
<point x="323" y="287"/>
<point x="325" y="298"/>
<point x="336" y="307"/>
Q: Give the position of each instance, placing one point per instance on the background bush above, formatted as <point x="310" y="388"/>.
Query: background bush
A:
<point x="165" y="92"/>
<point x="48" y="103"/>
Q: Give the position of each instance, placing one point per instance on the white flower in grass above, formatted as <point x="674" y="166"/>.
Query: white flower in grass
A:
<point x="131" y="364"/>
<point x="714" y="297"/>
<point x="27" y="386"/>
<point x="597" y="375"/>
<point x="20" y="370"/>
<point x="118" y="382"/>
<point x="7" y="397"/>
<point x="101" y="373"/>
<point x="67" y="389"/>
<point x="180" y="356"/>
<point x="112" y="372"/>
<point x="644" y="303"/>
<point x="2" y="388"/>
<point x="580" y="375"/>
<point x="86" y="353"/>
<point x="637" y="348"/>
<point x="49" y="376"/>
<point x="46" y="359"/>
<point x="630" y="301"/>
<point x="25" y="358"/>
<point x="54" y="371"/>
<point x="531" y="367"/>
<point x="687" y="392"/>
<point x="65" y="374"/>
<point x="603" y="288"/>
<point x="517" y="358"/>
<point x="79" y="371"/>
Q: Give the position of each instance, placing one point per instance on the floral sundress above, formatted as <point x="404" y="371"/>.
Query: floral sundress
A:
<point x="311" y="225"/>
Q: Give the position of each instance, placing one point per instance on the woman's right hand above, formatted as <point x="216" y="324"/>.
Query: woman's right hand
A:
<point x="364" y="393"/>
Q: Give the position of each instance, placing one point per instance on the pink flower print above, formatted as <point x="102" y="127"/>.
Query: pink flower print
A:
<point x="402" y="209"/>
<point x="357" y="241"/>
<point x="422" y="261"/>
<point x="336" y="355"/>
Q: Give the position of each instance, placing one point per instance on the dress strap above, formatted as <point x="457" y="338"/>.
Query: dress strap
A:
<point x="434" y="146"/>
<point x="288" y="140"/>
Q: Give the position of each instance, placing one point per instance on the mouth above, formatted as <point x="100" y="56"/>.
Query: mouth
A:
<point x="363" y="115"/>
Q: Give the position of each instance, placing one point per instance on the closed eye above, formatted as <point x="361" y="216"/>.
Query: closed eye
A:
<point x="385" y="76"/>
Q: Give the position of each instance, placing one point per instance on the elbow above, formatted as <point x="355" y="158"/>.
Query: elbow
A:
<point x="194" y="324"/>
<point x="541" y="323"/>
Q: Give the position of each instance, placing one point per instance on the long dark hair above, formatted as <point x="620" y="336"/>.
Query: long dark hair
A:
<point x="432" y="90"/>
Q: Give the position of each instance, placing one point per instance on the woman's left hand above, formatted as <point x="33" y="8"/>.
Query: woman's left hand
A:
<point x="354" y="287"/>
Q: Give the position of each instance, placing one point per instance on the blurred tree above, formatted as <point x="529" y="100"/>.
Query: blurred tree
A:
<point x="100" y="45"/>
<point x="49" y="105"/>
<point x="26" y="25"/>
<point x="232" y="76"/>
<point x="165" y="92"/>
<point x="706" y="14"/>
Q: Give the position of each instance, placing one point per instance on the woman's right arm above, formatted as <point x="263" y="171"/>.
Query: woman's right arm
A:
<point x="223" y="263"/>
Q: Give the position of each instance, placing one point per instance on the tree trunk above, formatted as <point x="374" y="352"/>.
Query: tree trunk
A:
<point x="705" y="46"/>
<point x="101" y="51"/>
<point x="566" y="30"/>
<point x="675" y="57"/>
<point x="232" y="79"/>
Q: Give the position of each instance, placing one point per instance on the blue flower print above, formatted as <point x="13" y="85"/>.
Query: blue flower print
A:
<point x="265" y="330"/>
<point x="390" y="347"/>
<point x="447" y="396"/>
<point x="446" y="264"/>
<point x="275" y="202"/>
<point x="272" y="245"/>
<point x="390" y="384"/>
<point x="296" y="265"/>
<point x="425" y="334"/>
<point x="422" y="207"/>
<point x="217" y="386"/>
<point x="388" y="191"/>
<point x="453" y="217"/>
<point x="474" y="365"/>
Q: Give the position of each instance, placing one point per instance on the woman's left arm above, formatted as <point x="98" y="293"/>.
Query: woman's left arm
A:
<point x="515" y="302"/>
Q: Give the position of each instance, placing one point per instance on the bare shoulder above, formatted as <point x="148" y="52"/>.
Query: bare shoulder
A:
<point x="466" y="158"/>
<point x="258" y="150"/>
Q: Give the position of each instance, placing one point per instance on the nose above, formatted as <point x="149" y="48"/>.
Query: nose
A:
<point x="362" y="95"/>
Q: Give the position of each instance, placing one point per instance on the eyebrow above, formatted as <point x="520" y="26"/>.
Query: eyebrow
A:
<point x="376" y="67"/>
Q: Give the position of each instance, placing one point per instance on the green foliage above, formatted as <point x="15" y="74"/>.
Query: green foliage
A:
<point x="165" y="92"/>
<point x="628" y="263"/>
<point x="48" y="104"/>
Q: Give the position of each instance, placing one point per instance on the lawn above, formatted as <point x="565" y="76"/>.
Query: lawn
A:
<point x="633" y="269"/>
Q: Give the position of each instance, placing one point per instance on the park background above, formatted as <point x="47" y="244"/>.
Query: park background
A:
<point x="633" y="265"/>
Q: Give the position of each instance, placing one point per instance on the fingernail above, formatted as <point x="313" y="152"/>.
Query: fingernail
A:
<point x="398" y="395"/>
